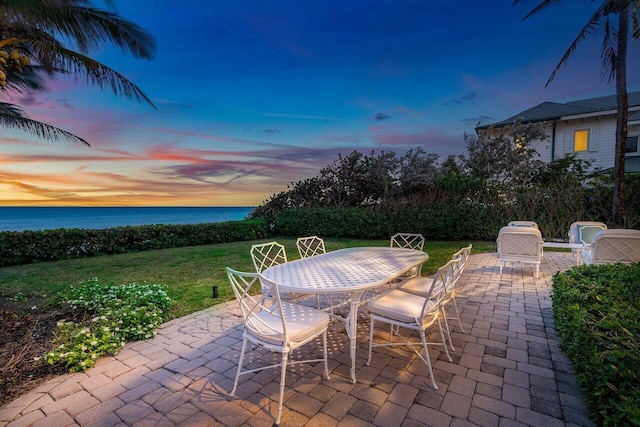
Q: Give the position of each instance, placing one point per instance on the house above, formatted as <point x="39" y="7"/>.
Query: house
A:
<point x="586" y="128"/>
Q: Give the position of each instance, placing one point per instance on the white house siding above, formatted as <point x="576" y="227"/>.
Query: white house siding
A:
<point x="601" y="150"/>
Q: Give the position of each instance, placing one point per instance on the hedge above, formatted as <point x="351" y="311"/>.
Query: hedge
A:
<point x="596" y="311"/>
<point x="49" y="245"/>
<point x="446" y="222"/>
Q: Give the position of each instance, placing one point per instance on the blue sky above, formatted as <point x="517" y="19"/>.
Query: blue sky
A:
<point x="253" y="95"/>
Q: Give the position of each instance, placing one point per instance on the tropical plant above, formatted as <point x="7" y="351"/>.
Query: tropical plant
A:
<point x="612" y="16"/>
<point x="42" y="39"/>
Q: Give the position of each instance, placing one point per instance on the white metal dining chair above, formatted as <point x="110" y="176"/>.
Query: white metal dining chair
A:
<point x="420" y="286"/>
<point x="310" y="246"/>
<point x="281" y="327"/>
<point x="407" y="240"/>
<point x="410" y="241"/>
<point x="402" y="309"/>
<point x="267" y="254"/>
<point x="264" y="256"/>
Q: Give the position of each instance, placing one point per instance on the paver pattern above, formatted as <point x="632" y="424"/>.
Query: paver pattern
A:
<point x="507" y="370"/>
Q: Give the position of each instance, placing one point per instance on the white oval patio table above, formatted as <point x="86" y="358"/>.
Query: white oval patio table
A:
<point x="351" y="271"/>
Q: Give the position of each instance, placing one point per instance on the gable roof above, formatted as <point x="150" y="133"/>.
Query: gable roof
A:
<point x="548" y="111"/>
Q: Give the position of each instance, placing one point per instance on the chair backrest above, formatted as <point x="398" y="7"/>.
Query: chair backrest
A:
<point x="520" y="241"/>
<point x="462" y="256"/>
<point x="310" y="246"/>
<point x="264" y="322"/>
<point x="267" y="254"/>
<point x="439" y="286"/>
<point x="407" y="240"/>
<point x="532" y="224"/>
<point x="616" y="245"/>
<point x="584" y="231"/>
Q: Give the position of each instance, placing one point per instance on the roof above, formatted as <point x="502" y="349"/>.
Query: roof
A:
<point x="548" y="111"/>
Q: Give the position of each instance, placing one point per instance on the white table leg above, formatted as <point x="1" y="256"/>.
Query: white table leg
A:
<point x="355" y="299"/>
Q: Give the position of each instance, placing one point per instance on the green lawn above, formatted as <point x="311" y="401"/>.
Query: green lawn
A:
<point x="189" y="272"/>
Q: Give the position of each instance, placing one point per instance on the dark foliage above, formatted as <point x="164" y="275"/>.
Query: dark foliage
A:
<point x="596" y="311"/>
<point x="499" y="179"/>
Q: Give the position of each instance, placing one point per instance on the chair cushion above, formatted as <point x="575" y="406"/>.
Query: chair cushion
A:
<point x="302" y="323"/>
<point x="417" y="285"/>
<point x="399" y="305"/>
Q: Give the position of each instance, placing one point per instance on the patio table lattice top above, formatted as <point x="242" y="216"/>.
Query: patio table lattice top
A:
<point x="348" y="270"/>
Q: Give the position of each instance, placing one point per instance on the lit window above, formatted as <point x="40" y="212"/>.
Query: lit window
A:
<point x="581" y="140"/>
<point x="632" y="145"/>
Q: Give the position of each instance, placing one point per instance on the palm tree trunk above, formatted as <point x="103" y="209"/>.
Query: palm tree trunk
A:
<point x="622" y="116"/>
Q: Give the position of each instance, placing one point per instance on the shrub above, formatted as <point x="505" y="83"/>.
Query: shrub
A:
<point x="112" y="315"/>
<point x="333" y="222"/>
<point x="596" y="311"/>
<point x="441" y="221"/>
<point x="49" y="245"/>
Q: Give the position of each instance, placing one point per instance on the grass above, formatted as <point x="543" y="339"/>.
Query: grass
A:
<point x="189" y="272"/>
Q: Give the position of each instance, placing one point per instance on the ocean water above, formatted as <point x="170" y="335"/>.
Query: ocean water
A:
<point x="17" y="218"/>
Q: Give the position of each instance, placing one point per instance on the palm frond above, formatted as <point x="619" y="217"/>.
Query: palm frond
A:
<point x="635" y="26"/>
<point x="57" y="58"/>
<point x="543" y="5"/>
<point x="89" y="28"/>
<point x="590" y="28"/>
<point x="11" y="109"/>
<point x="608" y="52"/>
<point x="12" y="116"/>
<point x="26" y="82"/>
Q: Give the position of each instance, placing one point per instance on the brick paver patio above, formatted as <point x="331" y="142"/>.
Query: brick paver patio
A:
<point x="507" y="370"/>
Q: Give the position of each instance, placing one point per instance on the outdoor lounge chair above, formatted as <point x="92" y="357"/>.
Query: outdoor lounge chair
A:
<point x="584" y="231"/>
<point x="282" y="327"/>
<point x="523" y="224"/>
<point x="613" y="245"/>
<point x="520" y="245"/>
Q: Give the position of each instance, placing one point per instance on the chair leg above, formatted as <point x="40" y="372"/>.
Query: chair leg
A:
<point x="283" y="374"/>
<point x="370" y="341"/>
<point x="455" y="305"/>
<point x="427" y="358"/>
<point x="444" y="342"/>
<point x="326" y="363"/>
<point x="446" y="326"/>
<point x="240" y="361"/>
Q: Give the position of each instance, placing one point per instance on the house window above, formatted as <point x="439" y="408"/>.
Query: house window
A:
<point x="632" y="145"/>
<point x="581" y="140"/>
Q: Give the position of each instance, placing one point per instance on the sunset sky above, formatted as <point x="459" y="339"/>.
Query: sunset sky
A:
<point x="253" y="95"/>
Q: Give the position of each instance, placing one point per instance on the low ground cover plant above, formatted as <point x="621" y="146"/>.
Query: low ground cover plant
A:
<point x="108" y="316"/>
<point x="596" y="311"/>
